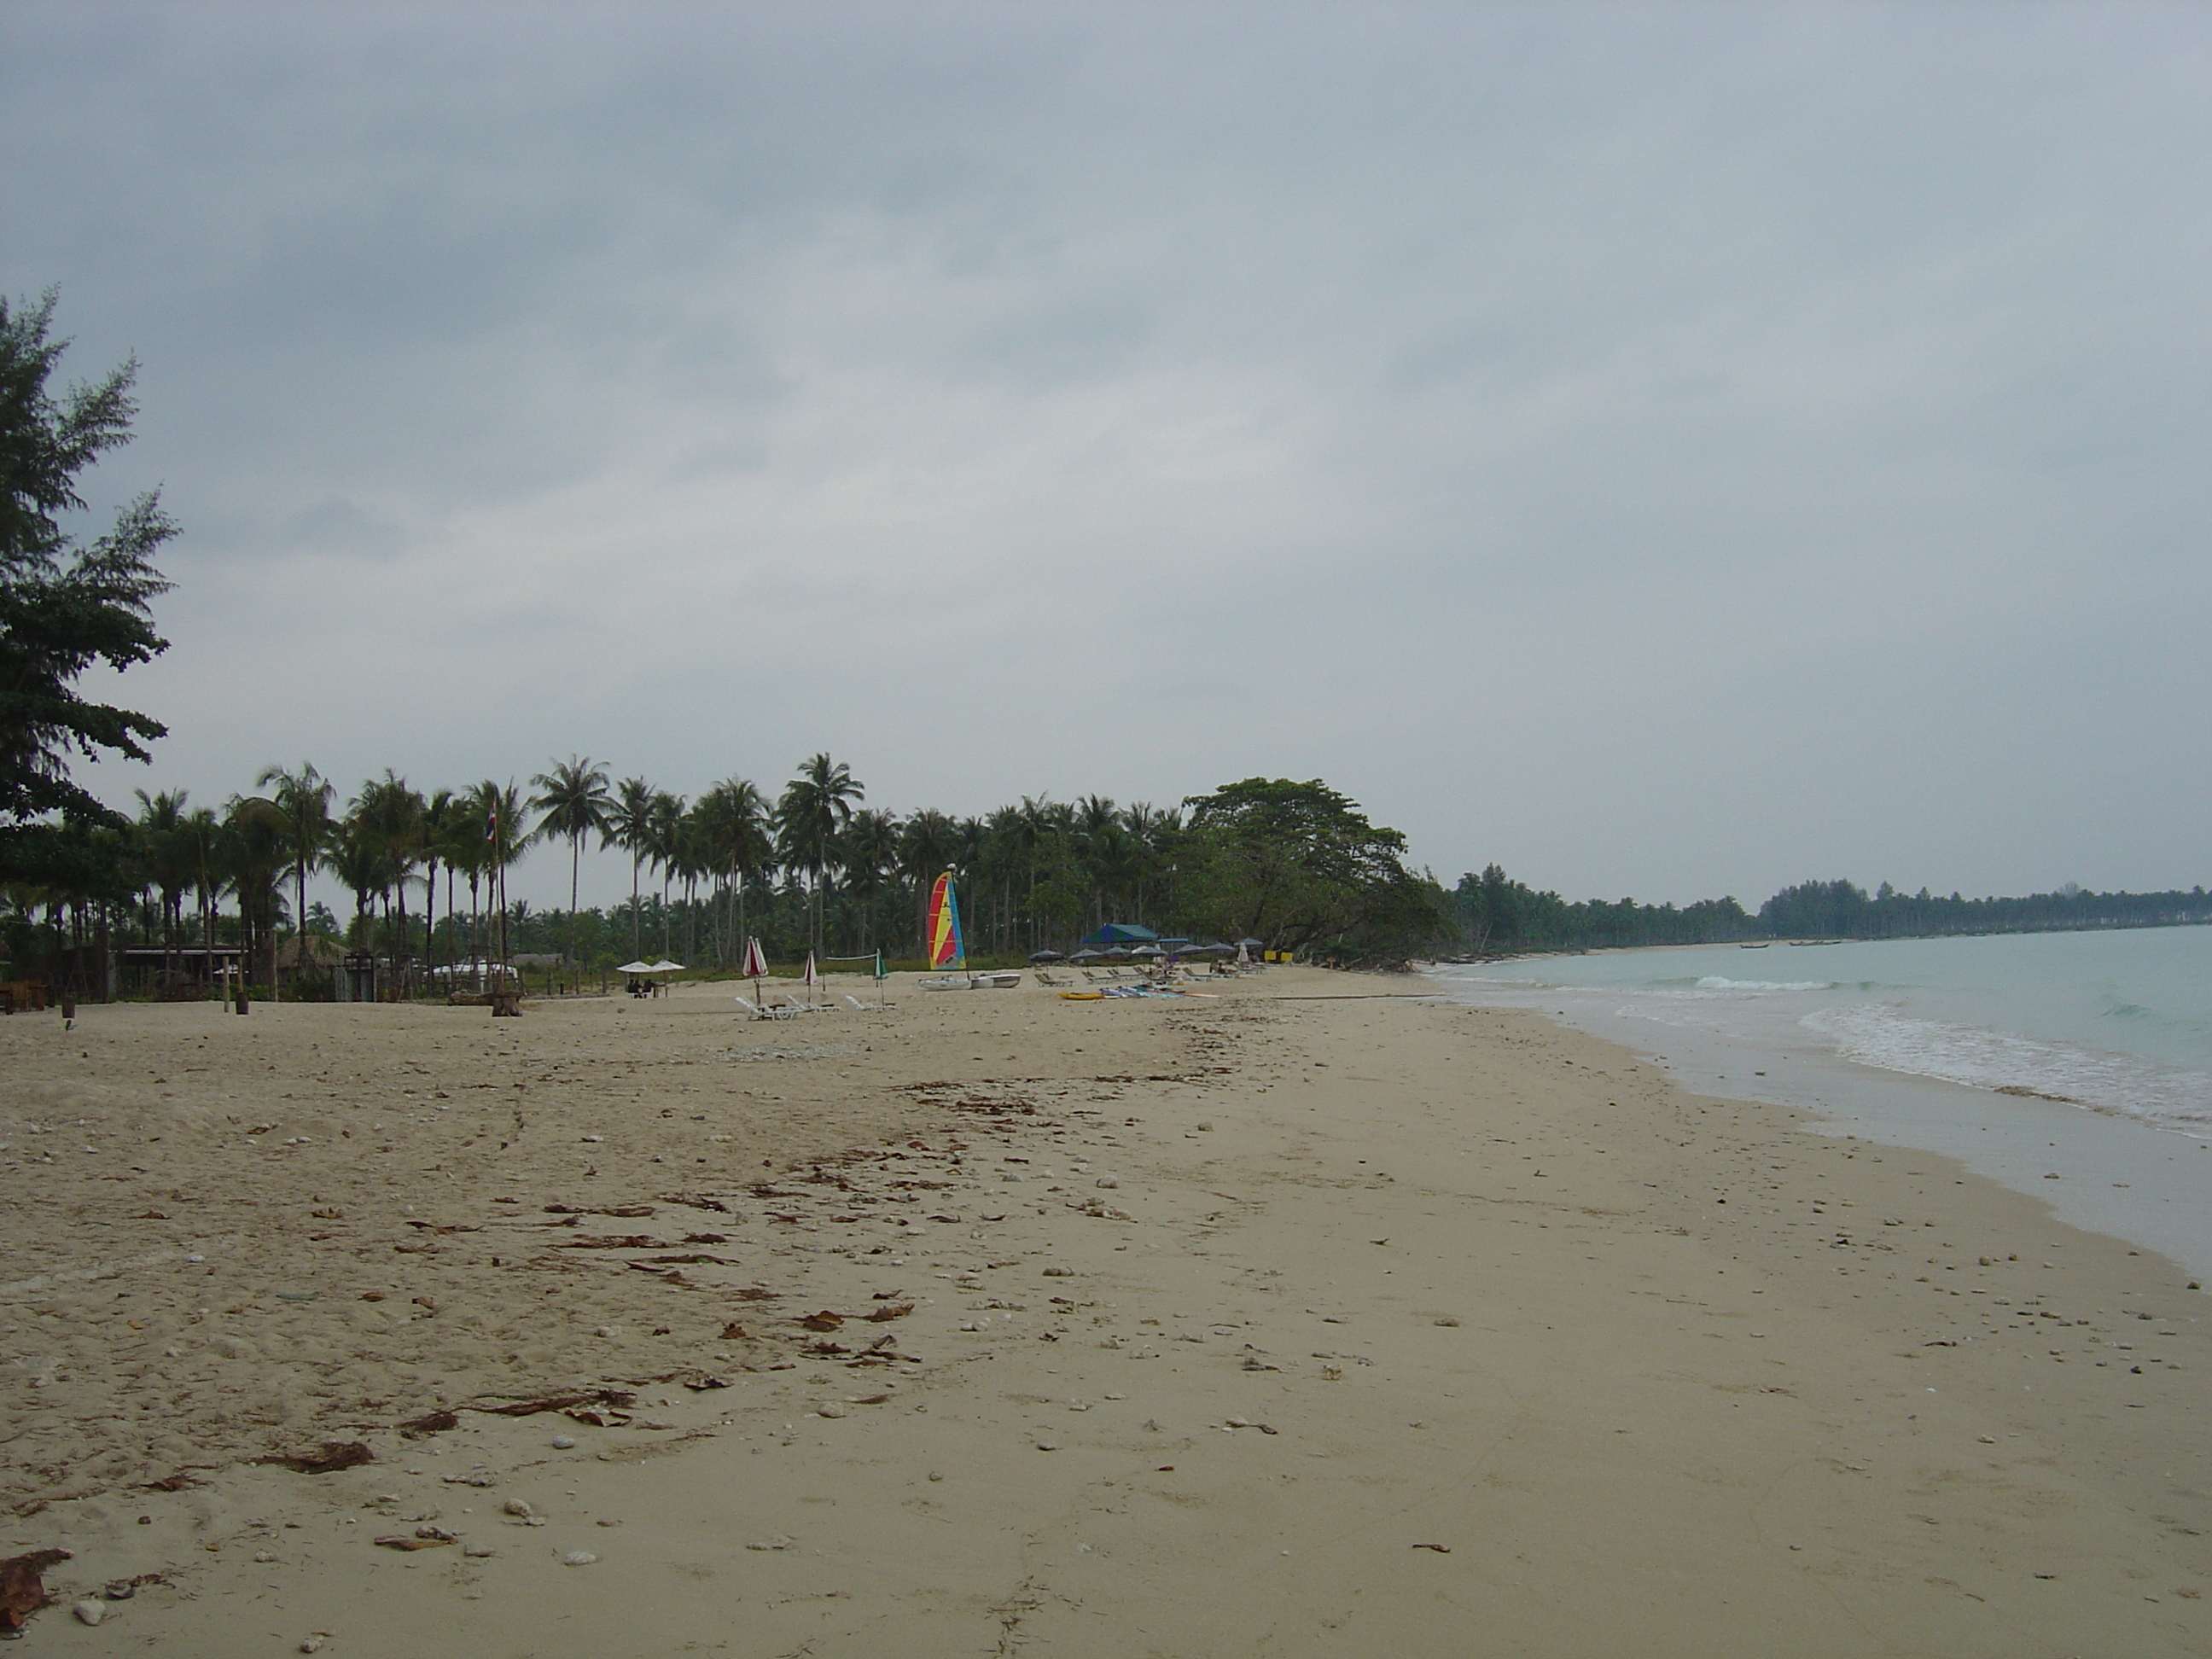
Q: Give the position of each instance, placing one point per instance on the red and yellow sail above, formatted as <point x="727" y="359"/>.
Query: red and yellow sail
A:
<point x="945" y="949"/>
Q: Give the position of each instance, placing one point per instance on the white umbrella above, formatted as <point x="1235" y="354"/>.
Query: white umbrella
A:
<point x="635" y="968"/>
<point x="665" y="966"/>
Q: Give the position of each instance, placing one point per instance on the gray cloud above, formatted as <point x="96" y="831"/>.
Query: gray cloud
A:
<point x="1669" y="450"/>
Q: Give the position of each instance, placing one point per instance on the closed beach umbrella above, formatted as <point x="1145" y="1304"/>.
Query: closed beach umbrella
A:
<point x="755" y="966"/>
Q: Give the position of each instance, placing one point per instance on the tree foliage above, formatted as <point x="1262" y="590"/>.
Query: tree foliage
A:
<point x="1294" y="863"/>
<point x="65" y="605"/>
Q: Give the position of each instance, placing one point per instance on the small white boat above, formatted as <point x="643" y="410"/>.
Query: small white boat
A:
<point x="1003" y="979"/>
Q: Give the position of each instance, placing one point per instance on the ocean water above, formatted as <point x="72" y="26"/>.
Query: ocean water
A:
<point x="2083" y="1056"/>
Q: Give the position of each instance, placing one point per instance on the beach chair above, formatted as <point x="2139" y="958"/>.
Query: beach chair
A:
<point x="761" y="1010"/>
<point x="860" y="1008"/>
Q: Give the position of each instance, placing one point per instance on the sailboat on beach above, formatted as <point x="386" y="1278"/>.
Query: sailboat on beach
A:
<point x="948" y="951"/>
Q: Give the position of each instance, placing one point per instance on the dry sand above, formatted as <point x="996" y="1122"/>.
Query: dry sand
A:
<point x="1285" y="1322"/>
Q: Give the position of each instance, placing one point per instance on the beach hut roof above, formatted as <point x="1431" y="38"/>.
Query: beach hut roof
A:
<point x="309" y="950"/>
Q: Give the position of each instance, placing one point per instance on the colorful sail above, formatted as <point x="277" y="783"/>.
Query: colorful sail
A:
<point x="945" y="949"/>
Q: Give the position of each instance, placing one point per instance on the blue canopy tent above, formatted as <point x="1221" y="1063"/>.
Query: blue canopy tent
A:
<point x="1121" y="932"/>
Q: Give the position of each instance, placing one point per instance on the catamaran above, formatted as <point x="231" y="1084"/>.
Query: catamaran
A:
<point x="947" y="951"/>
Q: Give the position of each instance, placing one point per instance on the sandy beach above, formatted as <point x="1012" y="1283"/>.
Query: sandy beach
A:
<point x="1312" y="1316"/>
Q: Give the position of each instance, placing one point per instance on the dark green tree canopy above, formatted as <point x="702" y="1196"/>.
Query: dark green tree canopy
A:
<point x="1294" y="863"/>
<point x="64" y="604"/>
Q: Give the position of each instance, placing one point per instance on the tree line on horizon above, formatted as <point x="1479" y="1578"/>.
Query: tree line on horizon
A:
<point x="1293" y="865"/>
<point x="1497" y="915"/>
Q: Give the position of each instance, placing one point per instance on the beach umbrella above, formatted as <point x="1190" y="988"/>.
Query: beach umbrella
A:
<point x="755" y="964"/>
<point x="1243" y="957"/>
<point x="635" y="968"/>
<point x="1085" y="956"/>
<point x="810" y="977"/>
<point x="1044" y="956"/>
<point x="1251" y="944"/>
<point x="1117" y="954"/>
<point x="665" y="966"/>
<point x="1148" y="950"/>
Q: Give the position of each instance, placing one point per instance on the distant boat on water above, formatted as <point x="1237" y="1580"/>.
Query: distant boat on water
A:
<point x="1746" y="944"/>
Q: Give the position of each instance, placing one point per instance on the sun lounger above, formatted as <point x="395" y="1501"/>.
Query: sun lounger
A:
<point x="860" y="1008"/>
<point x="762" y="1011"/>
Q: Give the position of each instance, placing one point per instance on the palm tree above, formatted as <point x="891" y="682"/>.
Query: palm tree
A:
<point x="498" y="808"/>
<point x="629" y="826"/>
<point x="732" y="840"/>
<point x="202" y="836"/>
<point x="255" y="844"/>
<point x="665" y="849"/>
<point x="391" y="815"/>
<point x="357" y="861"/>
<point x="573" y="796"/>
<point x="816" y="805"/>
<point x="928" y="842"/>
<point x="169" y="855"/>
<point x="442" y="832"/>
<point x="868" y="852"/>
<point x="304" y="798"/>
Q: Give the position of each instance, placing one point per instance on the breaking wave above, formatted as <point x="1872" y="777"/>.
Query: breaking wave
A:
<point x="1714" y="982"/>
<point x="1874" y="1034"/>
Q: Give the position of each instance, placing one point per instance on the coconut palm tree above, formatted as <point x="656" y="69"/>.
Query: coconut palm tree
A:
<point x="929" y="842"/>
<point x="666" y="850"/>
<point x="168" y="854"/>
<point x="390" y="814"/>
<point x="357" y="861"/>
<point x="573" y="796"/>
<point x="255" y="843"/>
<point x="732" y="842"/>
<point x="868" y="853"/>
<point x="815" y="806"/>
<point x="498" y="808"/>
<point x="442" y="829"/>
<point x="629" y="826"/>
<point x="304" y="798"/>
<point x="201" y="835"/>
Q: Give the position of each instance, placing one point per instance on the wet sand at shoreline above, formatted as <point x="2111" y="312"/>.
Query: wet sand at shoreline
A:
<point x="1284" y="1321"/>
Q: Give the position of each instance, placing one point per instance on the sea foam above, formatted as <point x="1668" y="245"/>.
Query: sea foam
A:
<point x="1878" y="1036"/>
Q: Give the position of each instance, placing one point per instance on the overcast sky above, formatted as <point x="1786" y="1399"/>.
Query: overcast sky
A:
<point x="1667" y="450"/>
